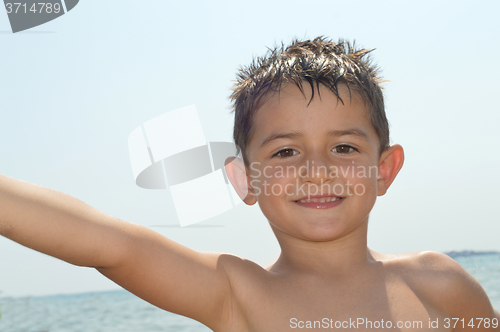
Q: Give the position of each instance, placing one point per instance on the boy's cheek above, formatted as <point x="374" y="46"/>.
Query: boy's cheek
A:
<point x="361" y="188"/>
<point x="271" y="186"/>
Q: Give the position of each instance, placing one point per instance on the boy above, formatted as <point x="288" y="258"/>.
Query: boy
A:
<point x="314" y="141"/>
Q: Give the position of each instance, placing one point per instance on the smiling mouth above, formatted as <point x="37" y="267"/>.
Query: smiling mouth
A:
<point x="319" y="200"/>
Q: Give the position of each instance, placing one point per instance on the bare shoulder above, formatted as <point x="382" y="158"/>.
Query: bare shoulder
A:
<point x="241" y="270"/>
<point x="441" y="281"/>
<point x="438" y="270"/>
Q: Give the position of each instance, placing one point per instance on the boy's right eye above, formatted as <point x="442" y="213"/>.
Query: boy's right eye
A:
<point x="285" y="153"/>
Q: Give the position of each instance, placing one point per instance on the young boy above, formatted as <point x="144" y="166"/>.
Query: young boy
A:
<point x="314" y="141"/>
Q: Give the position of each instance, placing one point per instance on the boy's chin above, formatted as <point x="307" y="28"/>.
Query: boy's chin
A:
<point x="312" y="232"/>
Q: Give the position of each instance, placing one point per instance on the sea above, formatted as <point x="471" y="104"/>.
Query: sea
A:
<point x="120" y="311"/>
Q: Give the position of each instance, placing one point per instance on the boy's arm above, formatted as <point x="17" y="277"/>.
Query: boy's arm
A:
<point x="160" y="271"/>
<point x="471" y="303"/>
<point x="450" y="286"/>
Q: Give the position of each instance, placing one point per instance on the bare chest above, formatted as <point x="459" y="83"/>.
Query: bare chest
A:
<point x="287" y="306"/>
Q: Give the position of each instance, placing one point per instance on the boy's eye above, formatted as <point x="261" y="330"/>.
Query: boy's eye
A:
<point x="285" y="153"/>
<point x="344" y="149"/>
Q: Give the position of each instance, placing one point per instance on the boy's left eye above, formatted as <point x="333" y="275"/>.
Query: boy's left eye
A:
<point x="285" y="153"/>
<point x="344" y="149"/>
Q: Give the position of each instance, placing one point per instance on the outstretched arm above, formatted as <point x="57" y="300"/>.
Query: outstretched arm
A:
<point x="160" y="271"/>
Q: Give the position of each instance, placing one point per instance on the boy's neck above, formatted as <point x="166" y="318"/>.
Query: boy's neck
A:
<point x="337" y="258"/>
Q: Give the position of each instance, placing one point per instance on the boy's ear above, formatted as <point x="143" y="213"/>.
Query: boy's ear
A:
<point x="236" y="172"/>
<point x="390" y="163"/>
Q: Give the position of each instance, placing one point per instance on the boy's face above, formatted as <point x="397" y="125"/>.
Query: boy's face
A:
<point x="326" y="149"/>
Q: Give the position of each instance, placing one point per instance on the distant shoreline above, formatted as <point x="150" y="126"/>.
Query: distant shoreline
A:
<point x="467" y="253"/>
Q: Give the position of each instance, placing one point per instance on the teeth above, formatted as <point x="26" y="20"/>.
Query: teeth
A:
<point x="320" y="200"/>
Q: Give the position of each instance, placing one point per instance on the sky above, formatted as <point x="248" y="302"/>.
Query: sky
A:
<point x="72" y="90"/>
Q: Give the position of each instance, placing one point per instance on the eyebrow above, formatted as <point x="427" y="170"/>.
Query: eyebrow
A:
<point x="353" y="132"/>
<point x="276" y="136"/>
<point x="332" y="133"/>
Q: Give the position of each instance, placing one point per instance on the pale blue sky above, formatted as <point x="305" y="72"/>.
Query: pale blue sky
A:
<point x="71" y="96"/>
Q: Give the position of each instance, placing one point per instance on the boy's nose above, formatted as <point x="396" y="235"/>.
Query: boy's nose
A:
<point x="317" y="170"/>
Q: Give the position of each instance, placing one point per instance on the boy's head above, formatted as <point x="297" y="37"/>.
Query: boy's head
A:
<point x="315" y="62"/>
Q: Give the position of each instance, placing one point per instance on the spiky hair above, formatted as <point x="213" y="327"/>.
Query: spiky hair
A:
<point x="318" y="61"/>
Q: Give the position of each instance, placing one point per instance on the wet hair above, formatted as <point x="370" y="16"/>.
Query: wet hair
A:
<point x="313" y="62"/>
